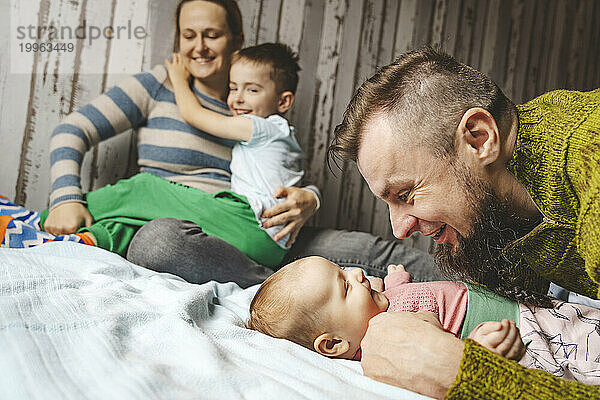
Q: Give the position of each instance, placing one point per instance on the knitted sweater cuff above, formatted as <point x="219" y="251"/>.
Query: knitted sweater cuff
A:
<point x="485" y="375"/>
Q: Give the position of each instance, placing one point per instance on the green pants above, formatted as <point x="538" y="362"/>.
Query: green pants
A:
<point x="119" y="210"/>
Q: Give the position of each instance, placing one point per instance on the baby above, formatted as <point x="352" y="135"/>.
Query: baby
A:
<point x="315" y="303"/>
<point x="262" y="83"/>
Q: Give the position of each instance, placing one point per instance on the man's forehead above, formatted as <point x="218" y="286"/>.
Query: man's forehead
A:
<point x="381" y="156"/>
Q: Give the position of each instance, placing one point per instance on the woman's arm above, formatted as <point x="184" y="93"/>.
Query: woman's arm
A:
<point x="299" y="206"/>
<point x="123" y="107"/>
<point x="236" y="128"/>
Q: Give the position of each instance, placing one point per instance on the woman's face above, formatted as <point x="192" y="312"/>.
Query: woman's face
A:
<point x="205" y="41"/>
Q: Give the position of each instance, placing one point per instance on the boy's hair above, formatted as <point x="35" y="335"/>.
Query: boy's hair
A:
<point x="275" y="312"/>
<point x="279" y="57"/>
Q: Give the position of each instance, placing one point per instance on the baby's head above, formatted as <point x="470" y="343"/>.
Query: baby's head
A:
<point x="263" y="80"/>
<point x="314" y="303"/>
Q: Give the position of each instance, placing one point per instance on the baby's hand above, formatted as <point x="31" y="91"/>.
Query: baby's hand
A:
<point x="178" y="73"/>
<point x="376" y="283"/>
<point x="502" y="338"/>
<point x="395" y="268"/>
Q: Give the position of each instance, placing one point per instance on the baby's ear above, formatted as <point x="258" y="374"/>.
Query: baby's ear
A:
<point x="330" y="345"/>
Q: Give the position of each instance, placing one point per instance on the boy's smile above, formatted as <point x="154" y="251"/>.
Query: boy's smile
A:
<point x="251" y="90"/>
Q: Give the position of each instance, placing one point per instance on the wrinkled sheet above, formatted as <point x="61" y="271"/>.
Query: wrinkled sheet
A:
<point x="77" y="322"/>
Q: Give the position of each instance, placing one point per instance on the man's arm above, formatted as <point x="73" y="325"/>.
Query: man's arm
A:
<point x="236" y="128"/>
<point x="412" y="351"/>
<point x="588" y="223"/>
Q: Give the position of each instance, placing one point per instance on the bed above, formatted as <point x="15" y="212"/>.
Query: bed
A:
<point x="78" y="322"/>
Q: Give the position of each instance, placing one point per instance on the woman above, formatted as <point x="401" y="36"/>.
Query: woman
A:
<point x="207" y="34"/>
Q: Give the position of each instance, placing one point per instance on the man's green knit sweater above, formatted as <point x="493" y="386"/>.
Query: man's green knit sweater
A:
<point x="557" y="159"/>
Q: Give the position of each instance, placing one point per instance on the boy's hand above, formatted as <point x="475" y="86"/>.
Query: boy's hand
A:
<point x="502" y="338"/>
<point x="395" y="268"/>
<point x="178" y="73"/>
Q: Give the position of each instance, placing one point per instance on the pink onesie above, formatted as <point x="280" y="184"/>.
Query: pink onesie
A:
<point x="448" y="300"/>
<point x="563" y="340"/>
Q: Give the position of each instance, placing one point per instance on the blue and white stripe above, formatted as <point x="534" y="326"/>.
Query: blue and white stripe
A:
<point x="167" y="145"/>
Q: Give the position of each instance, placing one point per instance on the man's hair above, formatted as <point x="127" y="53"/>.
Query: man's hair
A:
<point x="275" y="312"/>
<point x="279" y="57"/>
<point x="424" y="92"/>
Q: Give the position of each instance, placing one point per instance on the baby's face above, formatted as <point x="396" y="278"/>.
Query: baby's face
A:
<point x="344" y="299"/>
<point x="251" y="90"/>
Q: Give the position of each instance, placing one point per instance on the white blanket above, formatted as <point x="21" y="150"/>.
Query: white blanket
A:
<point x="77" y="322"/>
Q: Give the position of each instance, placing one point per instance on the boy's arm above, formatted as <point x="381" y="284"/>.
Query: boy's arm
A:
<point x="236" y="128"/>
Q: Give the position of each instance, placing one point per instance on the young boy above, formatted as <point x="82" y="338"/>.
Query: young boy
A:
<point x="314" y="303"/>
<point x="262" y="82"/>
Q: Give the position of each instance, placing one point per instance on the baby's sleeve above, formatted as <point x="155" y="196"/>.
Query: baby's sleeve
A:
<point x="396" y="279"/>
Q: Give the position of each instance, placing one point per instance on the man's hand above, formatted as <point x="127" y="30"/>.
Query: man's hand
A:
<point x="67" y="218"/>
<point x="502" y="338"/>
<point x="299" y="206"/>
<point x="412" y="351"/>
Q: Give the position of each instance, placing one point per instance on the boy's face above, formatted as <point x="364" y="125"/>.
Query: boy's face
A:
<point x="251" y="90"/>
<point x="344" y="299"/>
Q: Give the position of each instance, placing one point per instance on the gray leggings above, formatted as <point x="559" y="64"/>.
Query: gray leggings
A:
<point x="182" y="248"/>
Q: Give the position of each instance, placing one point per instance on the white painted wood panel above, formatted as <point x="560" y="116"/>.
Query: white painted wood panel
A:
<point x="50" y="93"/>
<point x="527" y="46"/>
<point x="14" y="91"/>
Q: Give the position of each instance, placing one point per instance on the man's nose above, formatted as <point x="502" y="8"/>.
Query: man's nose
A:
<point x="403" y="224"/>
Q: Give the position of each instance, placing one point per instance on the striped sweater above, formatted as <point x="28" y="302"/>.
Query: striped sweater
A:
<point x="167" y="146"/>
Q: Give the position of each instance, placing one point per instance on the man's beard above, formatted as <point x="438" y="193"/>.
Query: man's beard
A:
<point x="481" y="257"/>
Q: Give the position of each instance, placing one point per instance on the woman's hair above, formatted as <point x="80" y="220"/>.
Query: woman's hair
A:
<point x="275" y="312"/>
<point x="233" y="16"/>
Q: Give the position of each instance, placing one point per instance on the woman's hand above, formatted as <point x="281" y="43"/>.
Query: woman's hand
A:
<point x="299" y="206"/>
<point x="178" y="73"/>
<point x="412" y="351"/>
<point x="67" y="218"/>
<point x="502" y="338"/>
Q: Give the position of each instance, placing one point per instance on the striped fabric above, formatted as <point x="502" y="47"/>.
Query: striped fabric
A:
<point x="167" y="146"/>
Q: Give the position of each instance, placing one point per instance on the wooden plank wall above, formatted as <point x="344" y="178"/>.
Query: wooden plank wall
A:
<point x="527" y="46"/>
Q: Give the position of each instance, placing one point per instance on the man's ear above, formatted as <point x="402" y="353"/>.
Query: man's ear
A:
<point x="286" y="99"/>
<point x="330" y="345"/>
<point x="479" y="132"/>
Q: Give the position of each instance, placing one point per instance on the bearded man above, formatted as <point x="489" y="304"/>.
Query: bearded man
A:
<point x="511" y="194"/>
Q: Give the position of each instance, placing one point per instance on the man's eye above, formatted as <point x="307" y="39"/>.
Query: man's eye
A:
<point x="232" y="89"/>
